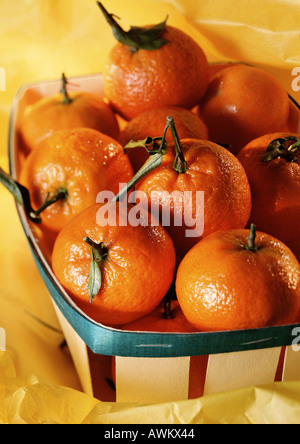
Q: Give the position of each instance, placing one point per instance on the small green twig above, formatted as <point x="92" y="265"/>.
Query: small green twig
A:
<point x="61" y="194"/>
<point x="180" y="165"/>
<point x="64" y="91"/>
<point x="153" y="162"/>
<point x="251" y="239"/>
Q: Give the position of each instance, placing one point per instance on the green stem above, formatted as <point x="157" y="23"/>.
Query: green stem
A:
<point x="61" y="194"/>
<point x="153" y="162"/>
<point x="22" y="196"/>
<point x="100" y="248"/>
<point x="279" y="148"/>
<point x="20" y="193"/>
<point x="251" y="239"/>
<point x="64" y="91"/>
<point x="136" y="38"/>
<point x="168" y="313"/>
<point x="180" y="165"/>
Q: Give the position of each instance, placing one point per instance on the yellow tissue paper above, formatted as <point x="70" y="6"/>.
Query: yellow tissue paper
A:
<point x="32" y="400"/>
<point x="38" y="41"/>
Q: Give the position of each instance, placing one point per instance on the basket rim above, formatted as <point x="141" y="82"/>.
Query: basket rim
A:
<point x="110" y="341"/>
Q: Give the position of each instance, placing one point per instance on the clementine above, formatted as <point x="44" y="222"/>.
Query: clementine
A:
<point x="242" y="103"/>
<point x="166" y="318"/>
<point x="234" y="280"/>
<point x="65" y="173"/>
<point x="152" y="122"/>
<point x="115" y="273"/>
<point x="153" y="66"/>
<point x="198" y="188"/>
<point x="66" y="111"/>
<point x="272" y="164"/>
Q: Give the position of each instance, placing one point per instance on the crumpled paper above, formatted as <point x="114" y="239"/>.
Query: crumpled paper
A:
<point x="32" y="400"/>
<point x="38" y="41"/>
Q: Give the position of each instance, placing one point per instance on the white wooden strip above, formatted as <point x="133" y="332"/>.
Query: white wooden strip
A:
<point x="152" y="380"/>
<point x="78" y="350"/>
<point x="230" y="371"/>
<point x="2" y="339"/>
<point x="291" y="369"/>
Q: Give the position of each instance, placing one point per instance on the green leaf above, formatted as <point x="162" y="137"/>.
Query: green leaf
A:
<point x="153" y="162"/>
<point x="95" y="278"/>
<point x="20" y="193"/>
<point x="136" y="38"/>
<point x="151" y="145"/>
<point x="277" y="148"/>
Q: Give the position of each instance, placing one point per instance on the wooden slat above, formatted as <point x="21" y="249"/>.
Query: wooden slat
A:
<point x="152" y="380"/>
<point x="231" y="371"/>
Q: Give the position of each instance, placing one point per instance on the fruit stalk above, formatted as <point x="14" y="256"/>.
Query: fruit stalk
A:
<point x="61" y="194"/>
<point x="251" y="239"/>
<point x="22" y="196"/>
<point x="278" y="148"/>
<point x="64" y="91"/>
<point x="155" y="158"/>
<point x="154" y="161"/>
<point x="180" y="165"/>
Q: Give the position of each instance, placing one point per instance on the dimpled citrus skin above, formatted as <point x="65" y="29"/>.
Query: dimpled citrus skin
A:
<point x="152" y="124"/>
<point x="275" y="188"/>
<point x="212" y="170"/>
<point x="50" y="114"/>
<point x="157" y="322"/>
<point x="242" y="103"/>
<point x="175" y="74"/>
<point x="136" y="275"/>
<point x="84" y="162"/>
<point x="220" y="285"/>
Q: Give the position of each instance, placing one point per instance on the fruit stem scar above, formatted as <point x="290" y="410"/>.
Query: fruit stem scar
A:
<point x="64" y="91"/>
<point x="279" y="148"/>
<point x="61" y="194"/>
<point x="180" y="165"/>
<point x="168" y="313"/>
<point x="251" y="239"/>
<point x="100" y="248"/>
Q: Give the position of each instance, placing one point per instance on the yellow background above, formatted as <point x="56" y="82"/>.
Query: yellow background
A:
<point x="40" y="39"/>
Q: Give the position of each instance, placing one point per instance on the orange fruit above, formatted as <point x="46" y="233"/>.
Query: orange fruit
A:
<point x="152" y="122"/>
<point x="78" y="162"/>
<point x="293" y="123"/>
<point x="81" y="109"/>
<point x="136" y="270"/>
<point x="162" y="320"/>
<point x="275" y="187"/>
<point x="172" y="70"/>
<point x="243" y="103"/>
<point x="227" y="282"/>
<point x="210" y="169"/>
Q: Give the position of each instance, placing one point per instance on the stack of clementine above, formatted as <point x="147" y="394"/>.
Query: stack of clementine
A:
<point x="217" y="146"/>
